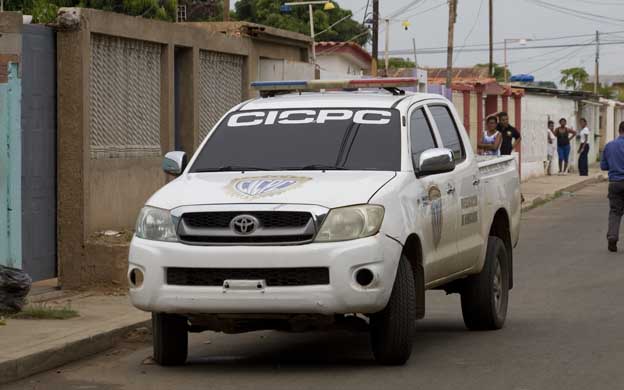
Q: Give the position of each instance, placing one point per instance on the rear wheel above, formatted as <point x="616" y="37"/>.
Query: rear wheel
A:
<point x="170" y="337"/>
<point x="392" y="329"/>
<point x="484" y="296"/>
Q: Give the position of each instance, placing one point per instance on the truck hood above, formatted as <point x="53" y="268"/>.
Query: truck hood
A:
<point x="329" y="189"/>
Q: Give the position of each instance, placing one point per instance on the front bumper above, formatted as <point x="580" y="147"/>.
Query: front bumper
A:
<point x="342" y="295"/>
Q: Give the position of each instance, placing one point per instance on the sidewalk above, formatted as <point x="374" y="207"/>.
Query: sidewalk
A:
<point x="31" y="346"/>
<point x="539" y="190"/>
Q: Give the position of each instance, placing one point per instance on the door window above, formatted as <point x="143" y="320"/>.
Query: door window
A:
<point x="421" y="134"/>
<point x="448" y="131"/>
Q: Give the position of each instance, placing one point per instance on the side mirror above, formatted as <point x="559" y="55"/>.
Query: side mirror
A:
<point x="174" y="163"/>
<point x="434" y="161"/>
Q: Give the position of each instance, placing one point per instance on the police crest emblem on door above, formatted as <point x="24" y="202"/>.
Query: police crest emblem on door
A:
<point x="435" y="200"/>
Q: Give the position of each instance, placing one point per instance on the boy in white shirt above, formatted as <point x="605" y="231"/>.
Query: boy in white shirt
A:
<point x="583" y="165"/>
<point x="551" y="146"/>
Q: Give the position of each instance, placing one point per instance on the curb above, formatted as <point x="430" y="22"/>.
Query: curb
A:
<point x="13" y="370"/>
<point x="539" y="201"/>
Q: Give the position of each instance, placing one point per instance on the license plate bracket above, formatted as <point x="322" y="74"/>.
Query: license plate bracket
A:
<point x="244" y="285"/>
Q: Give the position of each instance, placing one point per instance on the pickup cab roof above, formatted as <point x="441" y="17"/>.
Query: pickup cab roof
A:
<point x="337" y="99"/>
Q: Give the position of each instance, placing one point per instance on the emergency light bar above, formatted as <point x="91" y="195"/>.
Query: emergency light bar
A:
<point x="392" y="84"/>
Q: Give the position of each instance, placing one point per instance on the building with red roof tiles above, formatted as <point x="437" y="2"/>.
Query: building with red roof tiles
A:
<point x="339" y="60"/>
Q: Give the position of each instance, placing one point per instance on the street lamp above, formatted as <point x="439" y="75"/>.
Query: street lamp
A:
<point x="327" y="6"/>
<point x="522" y="42"/>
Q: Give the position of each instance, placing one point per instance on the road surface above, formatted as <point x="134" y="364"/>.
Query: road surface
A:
<point x="565" y="330"/>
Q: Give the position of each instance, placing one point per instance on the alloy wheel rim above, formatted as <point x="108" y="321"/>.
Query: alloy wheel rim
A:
<point x="497" y="287"/>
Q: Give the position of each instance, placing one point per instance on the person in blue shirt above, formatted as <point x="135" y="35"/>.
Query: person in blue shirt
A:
<point x="613" y="161"/>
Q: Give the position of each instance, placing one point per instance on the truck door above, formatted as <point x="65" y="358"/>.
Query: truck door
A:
<point x="438" y="206"/>
<point x="466" y="189"/>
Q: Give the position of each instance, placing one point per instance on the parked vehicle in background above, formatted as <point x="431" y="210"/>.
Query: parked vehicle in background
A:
<point x="313" y="210"/>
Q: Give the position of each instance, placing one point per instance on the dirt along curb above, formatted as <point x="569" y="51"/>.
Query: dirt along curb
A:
<point x="540" y="201"/>
<point x="47" y="359"/>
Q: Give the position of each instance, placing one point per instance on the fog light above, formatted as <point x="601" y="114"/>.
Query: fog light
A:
<point x="136" y="278"/>
<point x="364" y="277"/>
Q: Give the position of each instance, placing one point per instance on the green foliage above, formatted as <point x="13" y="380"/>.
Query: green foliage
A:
<point x="44" y="11"/>
<point x="44" y="311"/>
<point x="267" y="12"/>
<point x="395" y="62"/>
<point x="499" y="71"/>
<point x="574" y="78"/>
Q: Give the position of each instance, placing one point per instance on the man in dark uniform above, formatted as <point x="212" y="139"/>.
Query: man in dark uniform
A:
<point x="511" y="136"/>
<point x="613" y="161"/>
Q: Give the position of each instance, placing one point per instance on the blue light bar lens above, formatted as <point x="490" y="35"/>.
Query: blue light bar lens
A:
<point x="285" y="83"/>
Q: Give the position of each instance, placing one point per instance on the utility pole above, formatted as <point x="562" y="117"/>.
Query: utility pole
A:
<point x="597" y="70"/>
<point x="375" y="37"/>
<point x="491" y="67"/>
<point x="386" y="58"/>
<point x="451" y="32"/>
<point x="312" y="33"/>
<point x="415" y="58"/>
<point x="226" y="10"/>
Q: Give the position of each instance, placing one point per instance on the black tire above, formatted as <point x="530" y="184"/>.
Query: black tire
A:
<point x="170" y="336"/>
<point x="484" y="296"/>
<point x="392" y="329"/>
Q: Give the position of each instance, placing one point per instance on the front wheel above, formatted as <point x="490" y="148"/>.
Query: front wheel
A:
<point x="392" y="329"/>
<point x="170" y="337"/>
<point x="484" y="296"/>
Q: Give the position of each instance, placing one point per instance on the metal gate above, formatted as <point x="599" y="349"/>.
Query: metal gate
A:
<point x="39" y="151"/>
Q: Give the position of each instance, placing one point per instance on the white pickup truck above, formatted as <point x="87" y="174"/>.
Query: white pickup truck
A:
<point x="331" y="209"/>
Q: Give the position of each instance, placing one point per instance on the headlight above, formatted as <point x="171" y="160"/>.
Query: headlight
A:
<point x="349" y="223"/>
<point x="155" y="224"/>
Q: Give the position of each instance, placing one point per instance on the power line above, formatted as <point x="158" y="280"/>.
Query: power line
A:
<point x="442" y="4"/>
<point x="566" y="57"/>
<point x="348" y="16"/>
<point x="577" y="13"/>
<point x="599" y="2"/>
<point x="440" y="51"/>
<point x="470" y="32"/>
<point x="404" y="9"/>
<point x="479" y="45"/>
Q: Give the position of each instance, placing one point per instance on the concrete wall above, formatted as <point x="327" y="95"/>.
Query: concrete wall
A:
<point x="117" y="113"/>
<point x="10" y="140"/>
<point x="537" y="109"/>
<point x="338" y="66"/>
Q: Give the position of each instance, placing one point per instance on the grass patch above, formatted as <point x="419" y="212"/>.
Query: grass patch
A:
<point x="45" y="312"/>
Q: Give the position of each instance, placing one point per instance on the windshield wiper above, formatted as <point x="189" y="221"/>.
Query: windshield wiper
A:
<point x="317" y="167"/>
<point x="229" y="168"/>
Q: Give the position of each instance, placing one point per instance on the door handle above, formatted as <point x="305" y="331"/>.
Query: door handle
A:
<point x="476" y="182"/>
<point x="450" y="189"/>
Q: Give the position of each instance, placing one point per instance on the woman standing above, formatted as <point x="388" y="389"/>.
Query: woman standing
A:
<point x="564" y="135"/>
<point x="490" y="143"/>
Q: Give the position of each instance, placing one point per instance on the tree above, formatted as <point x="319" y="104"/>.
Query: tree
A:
<point x="396" y="62"/>
<point x="44" y="11"/>
<point x="499" y="71"/>
<point x="574" y="78"/>
<point x="203" y="11"/>
<point x="267" y="12"/>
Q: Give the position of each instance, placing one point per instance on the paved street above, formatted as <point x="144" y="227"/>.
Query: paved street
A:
<point x="564" y="331"/>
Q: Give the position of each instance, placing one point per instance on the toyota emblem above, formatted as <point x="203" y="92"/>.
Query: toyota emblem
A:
<point x="244" y="224"/>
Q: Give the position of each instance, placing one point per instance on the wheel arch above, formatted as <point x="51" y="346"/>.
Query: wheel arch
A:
<point x="412" y="250"/>
<point x="501" y="228"/>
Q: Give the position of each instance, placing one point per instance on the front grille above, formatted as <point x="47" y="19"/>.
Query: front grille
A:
<point x="247" y="239"/>
<point x="271" y="227"/>
<point x="272" y="276"/>
<point x="268" y="219"/>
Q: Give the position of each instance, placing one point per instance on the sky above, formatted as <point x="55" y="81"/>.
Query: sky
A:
<point x="513" y="19"/>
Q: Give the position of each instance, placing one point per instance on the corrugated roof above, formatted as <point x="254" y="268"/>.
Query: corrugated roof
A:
<point x="326" y="48"/>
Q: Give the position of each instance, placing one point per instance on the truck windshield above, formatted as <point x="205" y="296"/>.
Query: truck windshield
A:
<point x="304" y="139"/>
